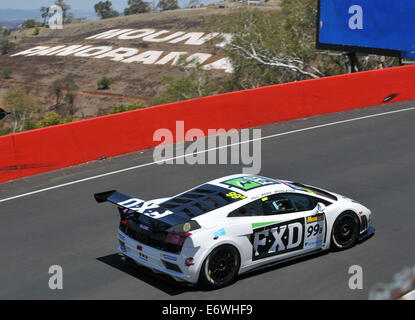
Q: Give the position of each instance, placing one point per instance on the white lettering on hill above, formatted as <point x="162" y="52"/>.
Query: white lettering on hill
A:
<point x="132" y="55"/>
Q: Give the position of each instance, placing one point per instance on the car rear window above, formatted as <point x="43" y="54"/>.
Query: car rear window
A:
<point x="201" y="200"/>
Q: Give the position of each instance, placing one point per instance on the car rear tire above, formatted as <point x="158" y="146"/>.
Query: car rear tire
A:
<point x="345" y="231"/>
<point x="221" y="267"/>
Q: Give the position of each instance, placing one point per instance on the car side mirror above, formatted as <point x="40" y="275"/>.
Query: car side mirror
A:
<point x="321" y="207"/>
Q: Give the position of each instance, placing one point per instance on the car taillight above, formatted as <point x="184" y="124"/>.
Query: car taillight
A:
<point x="177" y="238"/>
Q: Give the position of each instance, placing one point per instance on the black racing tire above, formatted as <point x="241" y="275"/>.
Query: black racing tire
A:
<point x="345" y="232"/>
<point x="220" y="267"/>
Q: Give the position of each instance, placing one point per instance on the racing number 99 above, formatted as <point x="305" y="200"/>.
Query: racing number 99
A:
<point x="313" y="230"/>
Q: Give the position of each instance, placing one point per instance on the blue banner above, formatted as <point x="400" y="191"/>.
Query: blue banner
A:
<point x="380" y="24"/>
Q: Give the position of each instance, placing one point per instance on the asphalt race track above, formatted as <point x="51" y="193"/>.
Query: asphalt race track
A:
<point x="370" y="159"/>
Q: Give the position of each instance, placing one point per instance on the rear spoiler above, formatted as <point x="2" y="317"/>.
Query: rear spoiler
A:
<point x="137" y="207"/>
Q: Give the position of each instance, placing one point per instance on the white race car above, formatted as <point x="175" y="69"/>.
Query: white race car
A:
<point x="233" y="225"/>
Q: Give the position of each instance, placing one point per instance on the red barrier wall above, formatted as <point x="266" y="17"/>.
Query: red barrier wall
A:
<point x="56" y="147"/>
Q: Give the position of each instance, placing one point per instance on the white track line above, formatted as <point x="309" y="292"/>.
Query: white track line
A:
<point x="203" y="151"/>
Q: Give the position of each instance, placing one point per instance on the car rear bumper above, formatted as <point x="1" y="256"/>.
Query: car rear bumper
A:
<point x="158" y="261"/>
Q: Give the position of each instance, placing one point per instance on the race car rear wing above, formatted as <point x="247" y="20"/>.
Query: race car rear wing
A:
<point x="137" y="208"/>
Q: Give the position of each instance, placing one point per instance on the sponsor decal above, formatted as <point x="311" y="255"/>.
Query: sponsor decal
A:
<point x="312" y="243"/>
<point x="186" y="227"/>
<point x="168" y="257"/>
<point x="249" y="183"/>
<point x="262" y="224"/>
<point x="145" y="207"/>
<point x="277" y="238"/>
<point x="220" y="233"/>
<point x="315" y="218"/>
<point x="314" y="231"/>
<point x="235" y="195"/>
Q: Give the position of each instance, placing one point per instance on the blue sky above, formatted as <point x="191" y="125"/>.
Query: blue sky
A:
<point x="84" y="5"/>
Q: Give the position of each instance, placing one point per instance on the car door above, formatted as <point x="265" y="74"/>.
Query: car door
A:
<point x="287" y="224"/>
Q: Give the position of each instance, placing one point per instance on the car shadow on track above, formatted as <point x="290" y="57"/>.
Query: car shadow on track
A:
<point x="173" y="288"/>
<point x="283" y="264"/>
<point x="162" y="283"/>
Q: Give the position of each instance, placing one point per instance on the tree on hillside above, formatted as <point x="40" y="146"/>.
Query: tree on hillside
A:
<point x="21" y="106"/>
<point x="168" y="5"/>
<point x="104" y="10"/>
<point x="195" y="84"/>
<point x="270" y="46"/>
<point x="6" y="32"/>
<point x="136" y="6"/>
<point x="56" y="90"/>
<point x="68" y="86"/>
<point x="70" y="96"/>
<point x="44" y="12"/>
<point x="30" y="23"/>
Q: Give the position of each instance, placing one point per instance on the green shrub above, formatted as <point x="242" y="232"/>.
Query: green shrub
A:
<point x="4" y="131"/>
<point x="36" y="31"/>
<point x="6" y="46"/>
<point x="29" y="23"/>
<point x="6" y="73"/>
<point x="122" y="108"/>
<point x="52" y="119"/>
<point x="29" y="124"/>
<point x="103" y="83"/>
